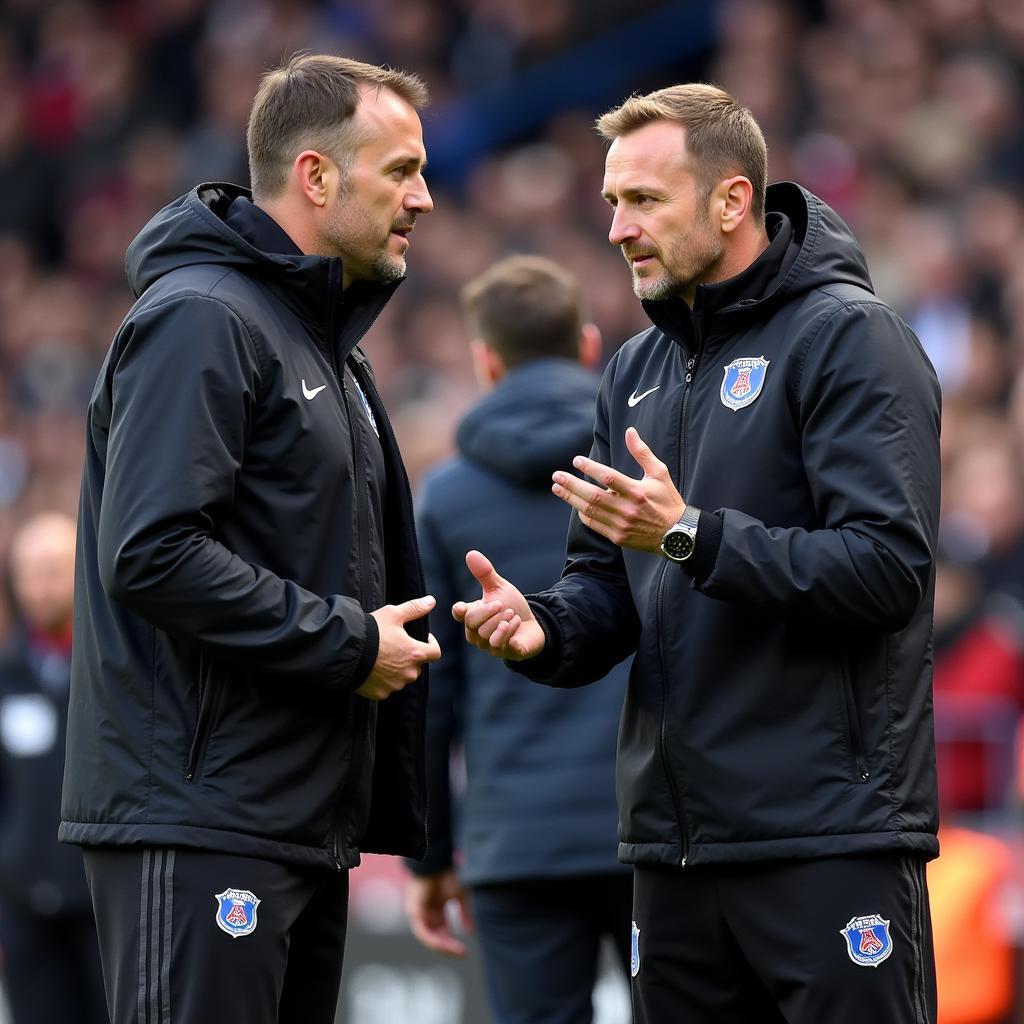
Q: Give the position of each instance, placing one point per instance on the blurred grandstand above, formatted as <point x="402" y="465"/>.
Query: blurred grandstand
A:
<point x="905" y="115"/>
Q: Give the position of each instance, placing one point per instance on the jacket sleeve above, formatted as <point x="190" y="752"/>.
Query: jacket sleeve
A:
<point x="868" y="406"/>
<point x="183" y="396"/>
<point x="447" y="683"/>
<point x="589" y="619"/>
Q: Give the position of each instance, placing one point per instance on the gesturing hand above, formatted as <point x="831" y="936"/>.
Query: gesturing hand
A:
<point x="400" y="657"/>
<point x="501" y="622"/>
<point x="631" y="513"/>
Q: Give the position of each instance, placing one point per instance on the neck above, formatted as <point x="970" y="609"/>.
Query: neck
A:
<point x="735" y="258"/>
<point x="298" y="229"/>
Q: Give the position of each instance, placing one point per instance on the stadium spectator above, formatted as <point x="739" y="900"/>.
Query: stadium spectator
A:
<point x="51" y="961"/>
<point x="242" y="723"/>
<point x="535" y="860"/>
<point x="970" y="887"/>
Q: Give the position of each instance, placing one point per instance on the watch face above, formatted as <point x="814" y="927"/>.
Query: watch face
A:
<point x="678" y="545"/>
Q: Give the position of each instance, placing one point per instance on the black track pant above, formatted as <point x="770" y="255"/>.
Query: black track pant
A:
<point x="541" y="942"/>
<point x="173" y="953"/>
<point x="766" y="944"/>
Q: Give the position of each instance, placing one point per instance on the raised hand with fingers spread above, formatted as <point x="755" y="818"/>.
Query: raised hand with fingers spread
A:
<point x="631" y="513"/>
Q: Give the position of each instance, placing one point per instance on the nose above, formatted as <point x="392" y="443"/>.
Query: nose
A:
<point x="418" y="199"/>
<point x="623" y="228"/>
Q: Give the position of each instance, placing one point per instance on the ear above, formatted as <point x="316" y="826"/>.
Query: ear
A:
<point x="488" y="366"/>
<point x="590" y="346"/>
<point x="733" y="199"/>
<point x="314" y="173"/>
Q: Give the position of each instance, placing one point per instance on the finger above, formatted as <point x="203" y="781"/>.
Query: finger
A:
<point x="480" y="566"/>
<point x="414" y="609"/>
<point x="430" y="651"/>
<point x="605" y="475"/>
<point x="459" y="610"/>
<point x="595" y="502"/>
<point x="431" y="929"/>
<point x="504" y="631"/>
<point x="486" y="630"/>
<point x="480" y="611"/>
<point x="641" y="451"/>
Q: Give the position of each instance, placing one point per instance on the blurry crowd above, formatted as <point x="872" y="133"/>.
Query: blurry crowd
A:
<point x="907" y="117"/>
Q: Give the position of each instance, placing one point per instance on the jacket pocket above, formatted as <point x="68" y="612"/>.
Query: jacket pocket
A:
<point x="851" y="721"/>
<point x="204" y="720"/>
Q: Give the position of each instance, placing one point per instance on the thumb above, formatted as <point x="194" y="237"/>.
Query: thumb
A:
<point x="641" y="451"/>
<point x="414" y="609"/>
<point x="480" y="566"/>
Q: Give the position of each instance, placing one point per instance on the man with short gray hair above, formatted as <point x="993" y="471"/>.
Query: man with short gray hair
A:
<point x="246" y="717"/>
<point x="772" y="569"/>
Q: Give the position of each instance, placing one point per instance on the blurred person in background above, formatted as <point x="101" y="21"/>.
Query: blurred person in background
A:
<point x="51" y="963"/>
<point x="249" y="601"/>
<point x="971" y="889"/>
<point x="537" y="872"/>
<point x="774" y="575"/>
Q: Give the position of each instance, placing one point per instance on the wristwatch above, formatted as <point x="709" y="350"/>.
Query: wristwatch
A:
<point x="677" y="545"/>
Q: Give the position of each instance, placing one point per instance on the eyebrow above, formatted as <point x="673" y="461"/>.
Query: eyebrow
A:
<point x="400" y="160"/>
<point x="633" y="190"/>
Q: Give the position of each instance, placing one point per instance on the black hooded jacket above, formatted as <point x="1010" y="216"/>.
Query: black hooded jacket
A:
<point x="540" y="794"/>
<point x="779" y="704"/>
<point x="239" y="520"/>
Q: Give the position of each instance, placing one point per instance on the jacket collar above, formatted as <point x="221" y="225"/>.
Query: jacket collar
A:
<point x="721" y="305"/>
<point x="310" y="285"/>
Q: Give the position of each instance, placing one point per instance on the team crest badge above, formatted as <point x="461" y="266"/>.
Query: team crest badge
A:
<point x="867" y="940"/>
<point x="634" y="952"/>
<point x="236" y="912"/>
<point x="743" y="381"/>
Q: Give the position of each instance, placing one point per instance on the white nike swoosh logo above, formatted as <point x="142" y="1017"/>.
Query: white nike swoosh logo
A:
<point x="312" y="392"/>
<point x="635" y="398"/>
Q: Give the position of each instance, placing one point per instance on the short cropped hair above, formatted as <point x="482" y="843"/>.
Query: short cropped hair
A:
<point x="525" y="308"/>
<point x="722" y="136"/>
<point x="308" y="103"/>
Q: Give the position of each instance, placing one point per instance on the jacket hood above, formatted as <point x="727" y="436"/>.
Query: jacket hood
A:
<point x="828" y="252"/>
<point x="192" y="231"/>
<point x="822" y="251"/>
<point x="538" y="417"/>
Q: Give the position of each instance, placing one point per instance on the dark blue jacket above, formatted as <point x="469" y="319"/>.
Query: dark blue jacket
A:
<point x="780" y="701"/>
<point x="540" y="763"/>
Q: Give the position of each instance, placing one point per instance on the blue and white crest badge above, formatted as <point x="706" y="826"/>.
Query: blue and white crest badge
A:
<point x="634" y="952"/>
<point x="236" y="912"/>
<point x="867" y="940"/>
<point x="743" y="381"/>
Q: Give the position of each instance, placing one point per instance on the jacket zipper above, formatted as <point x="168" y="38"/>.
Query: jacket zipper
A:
<point x="691" y="363"/>
<point x="853" y="733"/>
<point x="411" y="519"/>
<point x="203" y="713"/>
<point x="663" y="731"/>
<point x="359" y="499"/>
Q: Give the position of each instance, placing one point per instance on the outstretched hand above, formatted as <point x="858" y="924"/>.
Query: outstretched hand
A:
<point x="631" y="513"/>
<point x="501" y="622"/>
